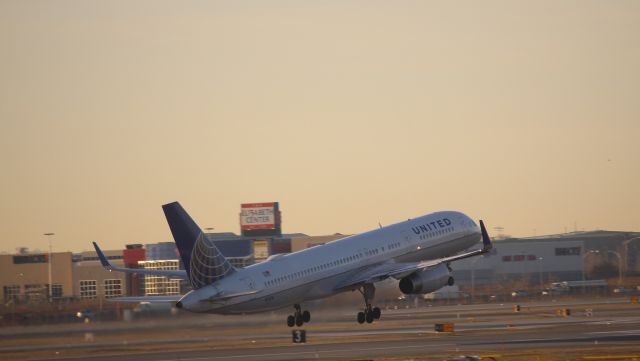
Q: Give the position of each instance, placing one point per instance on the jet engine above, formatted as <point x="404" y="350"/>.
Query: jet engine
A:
<point x="427" y="280"/>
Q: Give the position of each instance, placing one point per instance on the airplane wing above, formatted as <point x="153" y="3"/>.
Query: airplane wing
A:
<point x="173" y="274"/>
<point x="400" y="270"/>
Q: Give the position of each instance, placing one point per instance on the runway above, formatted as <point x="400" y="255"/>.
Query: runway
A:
<point x="490" y="330"/>
<point x="414" y="348"/>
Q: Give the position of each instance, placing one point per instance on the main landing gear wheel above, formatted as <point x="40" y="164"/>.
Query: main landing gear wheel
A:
<point x="376" y="313"/>
<point x="299" y="317"/>
<point x="370" y="313"/>
<point x="368" y="316"/>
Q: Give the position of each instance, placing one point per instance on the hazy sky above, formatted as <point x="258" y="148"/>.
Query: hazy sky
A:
<point x="523" y="113"/>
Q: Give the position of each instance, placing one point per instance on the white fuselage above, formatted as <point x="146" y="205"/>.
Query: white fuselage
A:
<point x="313" y="273"/>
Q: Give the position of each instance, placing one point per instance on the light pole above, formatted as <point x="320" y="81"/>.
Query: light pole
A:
<point x="49" y="235"/>
<point x="584" y="258"/>
<point x="626" y="250"/>
<point x="540" y="273"/>
<point x="619" y="266"/>
<point x="473" y="278"/>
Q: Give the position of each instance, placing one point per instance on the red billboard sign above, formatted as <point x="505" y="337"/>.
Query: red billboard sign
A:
<point x="258" y="216"/>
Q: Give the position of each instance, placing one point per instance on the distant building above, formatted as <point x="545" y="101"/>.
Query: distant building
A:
<point x="133" y="254"/>
<point x="92" y="281"/>
<point x="24" y="278"/>
<point x="158" y="285"/>
<point x="303" y="242"/>
<point x="550" y="258"/>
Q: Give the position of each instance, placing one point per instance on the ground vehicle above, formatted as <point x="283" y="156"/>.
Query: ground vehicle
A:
<point x="519" y="293"/>
<point x="554" y="291"/>
<point x="621" y="290"/>
<point x="85" y="315"/>
<point x="445" y="293"/>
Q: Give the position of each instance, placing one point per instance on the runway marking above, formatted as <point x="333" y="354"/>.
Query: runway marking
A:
<point x="618" y="331"/>
<point x="612" y="357"/>
<point x="530" y="340"/>
<point x="309" y="352"/>
<point x="610" y="321"/>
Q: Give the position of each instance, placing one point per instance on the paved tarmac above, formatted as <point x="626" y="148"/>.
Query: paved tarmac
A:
<point x="492" y="329"/>
<point x="414" y="347"/>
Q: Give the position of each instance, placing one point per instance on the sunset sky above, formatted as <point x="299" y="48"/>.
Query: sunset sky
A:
<point x="523" y="113"/>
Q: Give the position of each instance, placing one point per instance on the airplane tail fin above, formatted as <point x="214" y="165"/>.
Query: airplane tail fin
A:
<point x="201" y="258"/>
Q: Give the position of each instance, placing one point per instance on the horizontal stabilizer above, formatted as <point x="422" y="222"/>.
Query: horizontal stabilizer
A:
<point x="151" y="299"/>
<point x="172" y="274"/>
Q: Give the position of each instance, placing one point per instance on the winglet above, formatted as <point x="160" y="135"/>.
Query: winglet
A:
<point x="101" y="256"/>
<point x="486" y="241"/>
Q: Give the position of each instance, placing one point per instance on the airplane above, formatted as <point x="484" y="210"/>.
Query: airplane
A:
<point x="417" y="252"/>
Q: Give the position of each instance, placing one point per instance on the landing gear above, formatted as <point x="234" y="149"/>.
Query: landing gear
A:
<point x="299" y="317"/>
<point x="369" y="314"/>
<point x="376" y="313"/>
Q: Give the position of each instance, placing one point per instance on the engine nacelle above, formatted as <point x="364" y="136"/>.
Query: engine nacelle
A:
<point x="426" y="281"/>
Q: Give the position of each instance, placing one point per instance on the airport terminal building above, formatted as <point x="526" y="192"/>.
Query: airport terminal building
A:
<point x="25" y="277"/>
<point x="563" y="257"/>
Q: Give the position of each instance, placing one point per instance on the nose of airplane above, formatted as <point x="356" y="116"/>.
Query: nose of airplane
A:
<point x="469" y="224"/>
